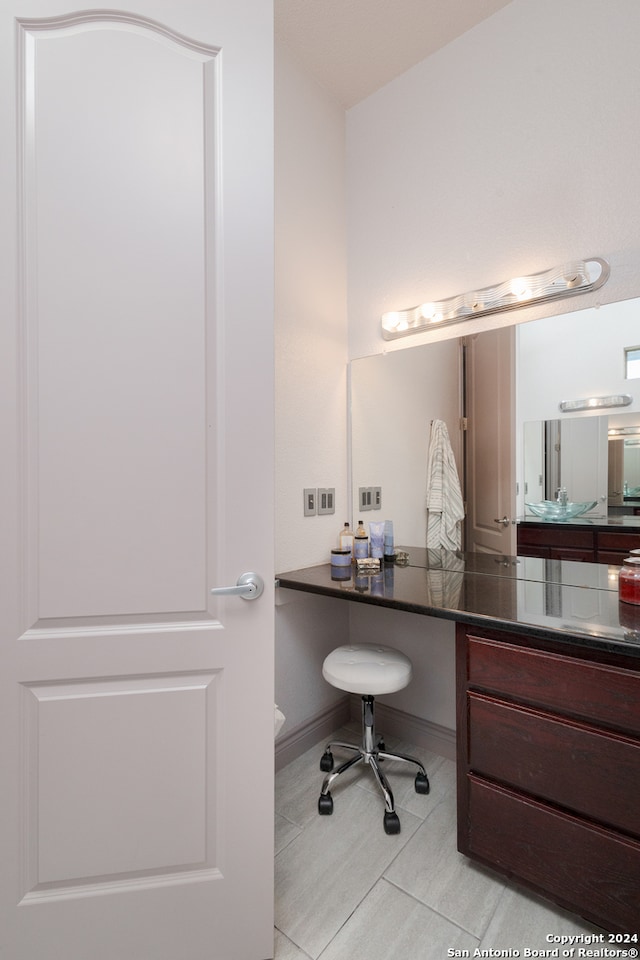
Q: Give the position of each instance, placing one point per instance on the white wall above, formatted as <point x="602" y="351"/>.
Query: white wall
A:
<point x="512" y="150"/>
<point x="311" y="361"/>
<point x="430" y="643"/>
<point x="311" y="318"/>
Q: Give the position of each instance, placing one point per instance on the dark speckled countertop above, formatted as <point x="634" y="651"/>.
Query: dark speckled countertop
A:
<point x="553" y="599"/>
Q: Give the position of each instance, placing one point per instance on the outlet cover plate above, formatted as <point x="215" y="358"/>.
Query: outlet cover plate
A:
<point x="364" y="498"/>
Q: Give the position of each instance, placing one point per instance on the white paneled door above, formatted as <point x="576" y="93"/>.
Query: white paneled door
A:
<point x="136" y="326"/>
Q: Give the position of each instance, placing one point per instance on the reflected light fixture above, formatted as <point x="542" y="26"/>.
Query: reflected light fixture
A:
<point x="581" y="276"/>
<point x="596" y="403"/>
<point x="624" y="431"/>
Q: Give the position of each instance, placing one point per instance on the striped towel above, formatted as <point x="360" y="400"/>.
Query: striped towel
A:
<point x="445" y="509"/>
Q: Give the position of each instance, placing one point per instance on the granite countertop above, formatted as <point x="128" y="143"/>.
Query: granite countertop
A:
<point x="553" y="599"/>
<point x="621" y="522"/>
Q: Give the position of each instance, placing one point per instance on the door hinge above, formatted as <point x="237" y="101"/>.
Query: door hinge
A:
<point x="464" y="423"/>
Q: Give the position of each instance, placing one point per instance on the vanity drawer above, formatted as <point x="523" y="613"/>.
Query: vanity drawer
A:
<point x="576" y="766"/>
<point x="582" y="866"/>
<point x="571" y="553"/>
<point x="618" y="541"/>
<point x="555" y="537"/>
<point x="594" y="692"/>
<point x="613" y="557"/>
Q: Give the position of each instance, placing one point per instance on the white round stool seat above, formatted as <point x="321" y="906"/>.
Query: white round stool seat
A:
<point x="368" y="669"/>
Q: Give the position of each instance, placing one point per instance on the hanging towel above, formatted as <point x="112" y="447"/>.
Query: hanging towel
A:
<point x="445" y="509"/>
<point x="446" y="575"/>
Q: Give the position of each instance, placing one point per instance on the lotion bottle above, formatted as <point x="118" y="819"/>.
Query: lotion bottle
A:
<point x="361" y="542"/>
<point x="345" y="539"/>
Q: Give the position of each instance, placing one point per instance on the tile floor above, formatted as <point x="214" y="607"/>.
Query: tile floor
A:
<point x="345" y="890"/>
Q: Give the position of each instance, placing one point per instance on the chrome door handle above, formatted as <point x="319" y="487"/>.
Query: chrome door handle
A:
<point x="249" y="587"/>
<point x="505" y="521"/>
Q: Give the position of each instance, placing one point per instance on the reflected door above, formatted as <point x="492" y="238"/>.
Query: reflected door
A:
<point x="136" y="708"/>
<point x="489" y="391"/>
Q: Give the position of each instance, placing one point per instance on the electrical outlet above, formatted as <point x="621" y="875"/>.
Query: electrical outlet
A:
<point x="310" y="495"/>
<point x="376" y="498"/>
<point x="326" y="500"/>
<point x="364" y="498"/>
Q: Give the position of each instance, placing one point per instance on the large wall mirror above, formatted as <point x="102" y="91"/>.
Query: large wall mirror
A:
<point x="395" y="397"/>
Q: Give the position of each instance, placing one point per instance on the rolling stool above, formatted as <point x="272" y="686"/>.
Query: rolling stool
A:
<point x="368" y="669"/>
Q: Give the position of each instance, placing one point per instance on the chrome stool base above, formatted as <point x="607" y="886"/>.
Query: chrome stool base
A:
<point x="370" y="751"/>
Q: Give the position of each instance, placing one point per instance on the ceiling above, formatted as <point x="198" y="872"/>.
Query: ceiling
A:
<point x="354" y="47"/>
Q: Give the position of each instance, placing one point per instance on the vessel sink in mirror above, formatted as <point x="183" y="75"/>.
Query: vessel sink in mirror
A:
<point x="557" y="511"/>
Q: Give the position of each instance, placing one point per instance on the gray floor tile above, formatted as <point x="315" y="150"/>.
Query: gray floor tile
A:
<point x="430" y="868"/>
<point x="401" y="777"/>
<point x="285" y="832"/>
<point x="347" y="891"/>
<point x="324" y="873"/>
<point x="522" y="920"/>
<point x="285" y="950"/>
<point x="391" y="925"/>
<point x="298" y="784"/>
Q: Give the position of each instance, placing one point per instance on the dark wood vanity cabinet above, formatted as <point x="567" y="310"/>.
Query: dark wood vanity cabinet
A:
<point x="549" y="770"/>
<point x="568" y="542"/>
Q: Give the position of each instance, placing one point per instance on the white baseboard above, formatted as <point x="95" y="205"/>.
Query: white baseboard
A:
<point x="423" y="733"/>
<point x="294" y="743"/>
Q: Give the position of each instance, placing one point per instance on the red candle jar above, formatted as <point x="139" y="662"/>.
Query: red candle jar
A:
<point x="629" y="580"/>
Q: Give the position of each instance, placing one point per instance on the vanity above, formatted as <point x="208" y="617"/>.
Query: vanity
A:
<point x="548" y="716"/>
<point x="592" y="541"/>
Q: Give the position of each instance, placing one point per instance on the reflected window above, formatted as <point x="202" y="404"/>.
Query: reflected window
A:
<point x="632" y="362"/>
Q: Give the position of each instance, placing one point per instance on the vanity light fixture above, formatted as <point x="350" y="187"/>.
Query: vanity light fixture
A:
<point x="596" y="403"/>
<point x="582" y="276"/>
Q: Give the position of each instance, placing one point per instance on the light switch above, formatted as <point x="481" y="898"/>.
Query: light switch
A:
<point x="309" y="501"/>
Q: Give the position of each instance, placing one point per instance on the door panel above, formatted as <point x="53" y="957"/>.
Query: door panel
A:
<point x="118" y="324"/>
<point x="137" y="710"/>
<point x="490" y="414"/>
<point x="156" y="785"/>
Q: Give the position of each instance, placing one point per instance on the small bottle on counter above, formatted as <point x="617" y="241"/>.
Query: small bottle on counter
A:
<point x="360" y="542"/>
<point x="345" y="539"/>
<point x="629" y="580"/>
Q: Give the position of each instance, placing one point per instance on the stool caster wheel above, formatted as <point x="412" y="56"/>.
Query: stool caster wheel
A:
<point x="391" y="822"/>
<point x="325" y="804"/>
<point x="326" y="762"/>
<point x="422" y="783"/>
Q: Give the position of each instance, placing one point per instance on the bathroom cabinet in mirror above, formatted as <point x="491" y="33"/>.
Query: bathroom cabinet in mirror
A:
<point x="395" y="397"/>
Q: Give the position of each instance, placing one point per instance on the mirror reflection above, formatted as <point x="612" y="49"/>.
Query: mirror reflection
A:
<point x="395" y="397"/>
<point x="586" y="455"/>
